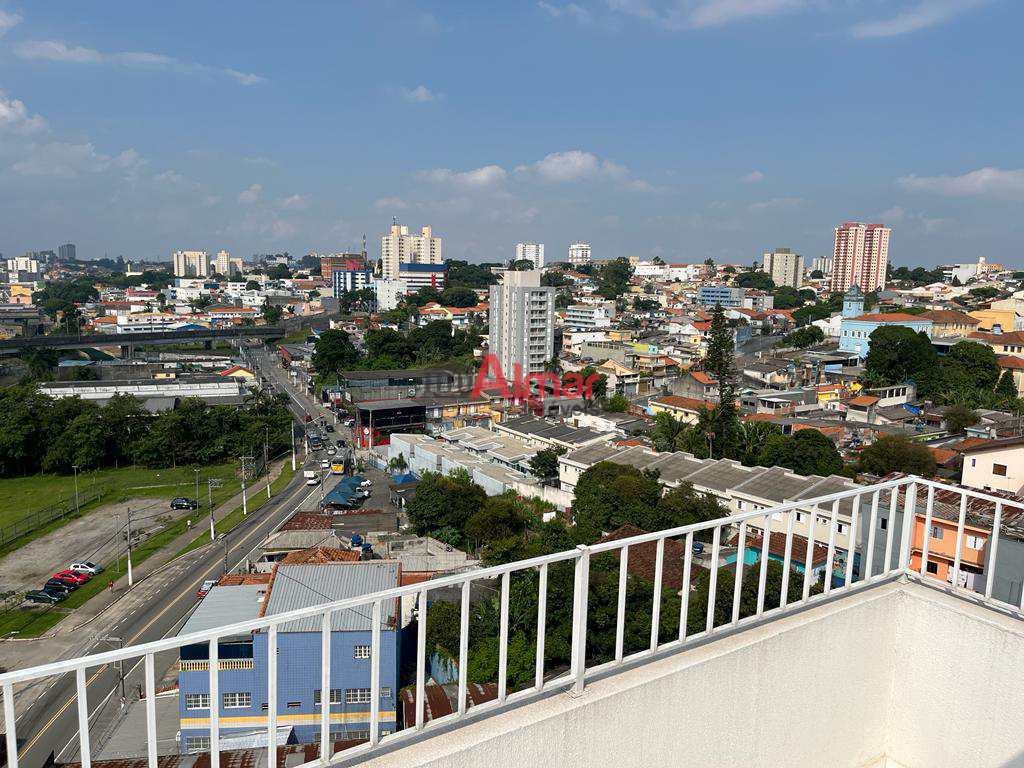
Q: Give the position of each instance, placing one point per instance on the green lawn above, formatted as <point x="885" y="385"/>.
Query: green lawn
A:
<point x="21" y="497"/>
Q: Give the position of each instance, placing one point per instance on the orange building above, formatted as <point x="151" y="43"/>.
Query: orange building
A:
<point x="942" y="547"/>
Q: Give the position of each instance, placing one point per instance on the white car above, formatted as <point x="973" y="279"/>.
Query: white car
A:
<point x="85" y="566"/>
<point x="325" y="464"/>
<point x="365" y="484"/>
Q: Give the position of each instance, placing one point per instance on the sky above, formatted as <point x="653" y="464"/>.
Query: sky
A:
<point x="684" y="129"/>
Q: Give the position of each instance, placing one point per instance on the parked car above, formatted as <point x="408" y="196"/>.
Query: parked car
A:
<point x="329" y="427"/>
<point x="86" y="566"/>
<point x="183" y="503"/>
<point x="206" y="587"/>
<point x="57" y="584"/>
<point x="61" y="593"/>
<point x="77" y="578"/>
<point x="331" y="450"/>
<point x="40" y="596"/>
<point x="365" y="484"/>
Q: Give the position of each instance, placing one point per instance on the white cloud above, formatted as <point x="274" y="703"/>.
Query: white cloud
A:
<point x="478" y="178"/>
<point x="894" y="214"/>
<point x="984" y="182"/>
<point x="568" y="10"/>
<point x="260" y="160"/>
<point x="250" y="195"/>
<point x="169" y="176"/>
<point x="777" y="204"/>
<point x="574" y="165"/>
<point x="390" y="204"/>
<point x="55" y="50"/>
<point x="752" y="178"/>
<point x="8" y="21"/>
<point x="420" y="95"/>
<point x="14" y="116"/>
<point x="62" y="160"/>
<point x="295" y="202"/>
<point x="927" y="13"/>
<point x="715" y="13"/>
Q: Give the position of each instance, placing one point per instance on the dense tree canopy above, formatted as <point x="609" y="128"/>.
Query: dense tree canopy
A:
<point x="613" y="278"/>
<point x="469" y="275"/>
<point x="444" y="501"/>
<point x="804" y="337"/>
<point x="896" y="453"/>
<point x="755" y="278"/>
<point x="896" y="354"/>
<point x="806" y="452"/>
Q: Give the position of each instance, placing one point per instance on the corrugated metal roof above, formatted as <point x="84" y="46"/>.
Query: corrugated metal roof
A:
<point x="775" y="484"/>
<point x="226" y="605"/>
<point x="302" y="586"/>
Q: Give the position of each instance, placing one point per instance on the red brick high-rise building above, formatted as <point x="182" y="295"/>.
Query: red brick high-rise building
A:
<point x="860" y="256"/>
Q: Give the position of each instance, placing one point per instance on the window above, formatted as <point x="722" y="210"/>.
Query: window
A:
<point x="974" y="462"/>
<point x="840" y="528"/>
<point x="294" y="704"/>
<point x="358" y="735"/>
<point x="739" y="505"/>
<point x="335" y="696"/>
<point x="195" y="744"/>
<point x="197" y="701"/>
<point x="975" y="542"/>
<point x="933" y="567"/>
<point x="236" y="700"/>
<point x="999" y="469"/>
<point x="361" y="652"/>
<point x="883" y="523"/>
<point x="936" y="532"/>
<point x="385" y="692"/>
<point x="799" y="517"/>
<point x="357" y="695"/>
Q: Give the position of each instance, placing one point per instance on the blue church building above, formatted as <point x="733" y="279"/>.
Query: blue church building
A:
<point x="856" y="327"/>
<point x="242" y="678"/>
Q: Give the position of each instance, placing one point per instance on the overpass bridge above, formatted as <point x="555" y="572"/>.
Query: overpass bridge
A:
<point x="129" y="340"/>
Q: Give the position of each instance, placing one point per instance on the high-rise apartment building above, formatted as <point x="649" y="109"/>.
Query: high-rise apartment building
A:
<point x="522" y="323"/>
<point x="191" y="263"/>
<point x="579" y="253"/>
<point x="784" y="267"/>
<point x="530" y="251"/>
<point x="341" y="262"/>
<point x="399" y="247"/>
<point x="860" y="257"/>
<point x="66" y="252"/>
<point x="822" y="264"/>
<point x="226" y="264"/>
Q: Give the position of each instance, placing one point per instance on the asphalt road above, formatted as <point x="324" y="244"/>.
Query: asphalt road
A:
<point x="50" y="724"/>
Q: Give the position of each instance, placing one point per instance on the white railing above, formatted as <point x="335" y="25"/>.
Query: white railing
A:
<point x="867" y="505"/>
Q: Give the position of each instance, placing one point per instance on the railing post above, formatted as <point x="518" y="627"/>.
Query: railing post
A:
<point x="737" y="586"/>
<point x="716" y="539"/>
<point x="909" y="519"/>
<point x="659" y="560"/>
<point x="927" y="534"/>
<point x="272" y="696"/>
<point x="993" y="548"/>
<point x="542" y="617"/>
<point x="961" y="521"/>
<point x="85" y="756"/>
<point x="762" y="576"/>
<point x="684" y="603"/>
<point x="150" y="674"/>
<point x="620" y="612"/>
<point x="421" y="659"/>
<point x="325" y="688"/>
<point x="375" y="654"/>
<point x="869" y="552"/>
<point x="581" y="586"/>
<point x="9" y="721"/>
<point x="503" y="638"/>
<point x="463" y="647"/>
<point x="214" y="655"/>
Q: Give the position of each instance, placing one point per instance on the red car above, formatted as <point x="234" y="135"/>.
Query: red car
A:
<point x="76" y="578"/>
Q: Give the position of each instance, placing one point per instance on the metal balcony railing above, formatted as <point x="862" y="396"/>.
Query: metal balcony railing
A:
<point x="893" y="561"/>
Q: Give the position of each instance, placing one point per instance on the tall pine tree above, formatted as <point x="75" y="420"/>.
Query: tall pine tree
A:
<point x="720" y="361"/>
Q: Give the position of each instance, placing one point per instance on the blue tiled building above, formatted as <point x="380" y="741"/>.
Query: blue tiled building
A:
<point x="243" y="660"/>
<point x="345" y="280"/>
<point x="726" y="295"/>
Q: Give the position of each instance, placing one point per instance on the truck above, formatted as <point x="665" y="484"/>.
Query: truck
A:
<point x="311" y="476"/>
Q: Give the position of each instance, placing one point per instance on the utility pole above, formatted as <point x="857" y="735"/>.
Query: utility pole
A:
<point x="129" y="532"/>
<point x="291" y="432"/>
<point x="209" y="491"/>
<point x="197" y="487"/>
<point x="266" y="460"/>
<point x="120" y="665"/>
<point x="77" y="509"/>
<point x="245" y="471"/>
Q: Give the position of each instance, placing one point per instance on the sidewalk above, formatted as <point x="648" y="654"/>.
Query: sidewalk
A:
<point x="79" y="630"/>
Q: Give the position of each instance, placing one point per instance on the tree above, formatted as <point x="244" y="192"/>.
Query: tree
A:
<point x="806" y="452"/>
<point x="334" y="352"/>
<point x="443" y="501"/>
<point x="617" y="403"/>
<point x="667" y="432"/>
<point x="469" y="275"/>
<point x="897" y="353"/>
<point x="272" y="313"/>
<point x="720" y="363"/>
<point x="398" y="464"/>
<point x="458" y="296"/>
<point x="1006" y="386"/>
<point x="279" y="272"/>
<point x="804" y="337"/>
<point x="500" y="517"/>
<point x="613" y="278"/>
<point x="684" y="506"/>
<point x="521" y="265"/>
<point x="598" y="387"/>
<point x="976" y="360"/>
<point x="252" y="285"/>
<point x="757" y="279"/>
<point x="958" y="418"/>
<point x="817" y="274"/>
<point x="555" y="279"/>
<point x="896" y="453"/>
<point x="786" y="297"/>
<point x="544" y="464"/>
<point x="609" y="495"/>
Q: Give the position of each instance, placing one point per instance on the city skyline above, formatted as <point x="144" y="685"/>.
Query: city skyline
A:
<point x="151" y="131"/>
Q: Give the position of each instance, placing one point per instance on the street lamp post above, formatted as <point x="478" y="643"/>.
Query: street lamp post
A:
<point x="75" y="467"/>
<point x="120" y="665"/>
<point x="266" y="459"/>
<point x="128" y="531"/>
<point x="197" y="487"/>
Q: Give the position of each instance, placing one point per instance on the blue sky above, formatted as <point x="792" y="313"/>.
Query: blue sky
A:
<point x="680" y="128"/>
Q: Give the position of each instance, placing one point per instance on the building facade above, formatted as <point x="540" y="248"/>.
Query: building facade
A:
<point x="725" y="295"/>
<point x="590" y="316"/>
<point x="399" y="247"/>
<point x="417" y="276"/>
<point x="530" y="251"/>
<point x="579" y="253"/>
<point x="66" y="252"/>
<point x="784" y="267"/>
<point x="522" y="322"/>
<point x="855" y="332"/>
<point x="344" y="280"/>
<point x="191" y="263"/>
<point x="226" y="264"/>
<point x="860" y="256"/>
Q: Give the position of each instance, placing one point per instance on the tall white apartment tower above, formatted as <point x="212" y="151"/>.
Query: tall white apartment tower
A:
<point x="530" y="251"/>
<point x="579" y="253"/>
<point x="522" y="323"/>
<point x="860" y="256"/>
<point x="399" y="247"/>
<point x="191" y="263"/>
<point x="784" y="267"/>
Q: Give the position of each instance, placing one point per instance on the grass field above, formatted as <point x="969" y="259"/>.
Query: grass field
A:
<point x="35" y="622"/>
<point x="22" y="497"/>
